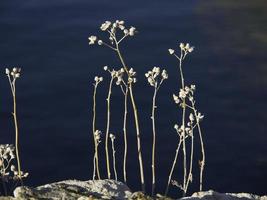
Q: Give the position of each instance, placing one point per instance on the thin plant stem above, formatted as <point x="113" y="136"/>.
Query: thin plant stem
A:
<point x="173" y="165"/>
<point x="96" y="163"/>
<point x="108" y="124"/>
<point x="202" y="162"/>
<point x="183" y="124"/>
<point x="114" y="159"/>
<point x="190" y="176"/>
<point x="14" y="113"/>
<point x="138" y="139"/>
<point x="136" y="123"/>
<point x="94" y="170"/>
<point x="154" y="139"/>
<point x="125" y="133"/>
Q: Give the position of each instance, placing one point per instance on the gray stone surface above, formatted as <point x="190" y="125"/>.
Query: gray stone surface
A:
<point x="74" y="189"/>
<point x="108" y="189"/>
<point x="212" y="195"/>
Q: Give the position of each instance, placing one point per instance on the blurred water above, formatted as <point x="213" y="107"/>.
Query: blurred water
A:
<point x="48" y="39"/>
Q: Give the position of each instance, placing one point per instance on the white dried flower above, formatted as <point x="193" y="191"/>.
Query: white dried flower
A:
<point x="12" y="168"/>
<point x="187" y="46"/>
<point x="132" y="31"/>
<point x="164" y="74"/>
<point x="171" y="51"/>
<point x="97" y="134"/>
<point x="182" y="93"/>
<point x="191" y="98"/>
<point x="105" y="68"/>
<point x="100" y="42"/>
<point x="191" y="117"/>
<point x="105" y="25"/>
<point x="193" y="87"/>
<point x="176" y="99"/>
<point x="199" y="116"/>
<point x="96" y="78"/>
<point x="112" y="137"/>
<point x="191" y="49"/>
<point x="125" y="31"/>
<point x="7" y="71"/>
<point x="92" y="39"/>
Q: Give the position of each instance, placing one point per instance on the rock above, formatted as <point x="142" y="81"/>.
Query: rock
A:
<point x="212" y="195"/>
<point x="108" y="189"/>
<point x="74" y="189"/>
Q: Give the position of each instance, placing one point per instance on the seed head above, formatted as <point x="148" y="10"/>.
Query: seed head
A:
<point x="92" y="39"/>
<point x="171" y="51"/>
<point x="105" y="25"/>
<point x="7" y="71"/>
<point x="112" y="137"/>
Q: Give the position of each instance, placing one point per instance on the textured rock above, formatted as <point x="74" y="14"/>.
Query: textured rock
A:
<point x="212" y="195"/>
<point x="74" y="189"/>
<point x="108" y="189"/>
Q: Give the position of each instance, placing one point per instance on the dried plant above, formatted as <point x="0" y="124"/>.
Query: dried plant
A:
<point x="6" y="157"/>
<point x="155" y="78"/>
<point x="117" y="33"/>
<point x="185" y="100"/>
<point x="125" y="89"/>
<point x="190" y="118"/>
<point x="112" y="138"/>
<point x="96" y="133"/>
<point x="13" y="75"/>
<point x="112" y="75"/>
<point x="7" y="169"/>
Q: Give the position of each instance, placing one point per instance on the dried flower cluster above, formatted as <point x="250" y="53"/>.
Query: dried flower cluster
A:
<point x="113" y="29"/>
<point x="185" y="100"/>
<point x="125" y="77"/>
<point x="6" y="157"/>
<point x="153" y="77"/>
<point x="12" y="77"/>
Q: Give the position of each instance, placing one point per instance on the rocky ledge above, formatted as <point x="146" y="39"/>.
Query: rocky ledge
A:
<point x="108" y="189"/>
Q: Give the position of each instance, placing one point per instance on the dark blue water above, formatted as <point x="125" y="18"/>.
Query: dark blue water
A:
<point x="48" y="39"/>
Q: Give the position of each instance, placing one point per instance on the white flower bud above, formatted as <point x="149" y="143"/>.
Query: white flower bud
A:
<point x="190" y="49"/>
<point x="92" y="39"/>
<point x="125" y="31"/>
<point x="7" y="71"/>
<point x="171" y="51"/>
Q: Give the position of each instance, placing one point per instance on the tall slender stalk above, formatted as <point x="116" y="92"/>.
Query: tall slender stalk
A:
<point x="202" y="162"/>
<point x="183" y="124"/>
<point x="16" y="129"/>
<point x="125" y="134"/>
<point x="15" y="74"/>
<point x="108" y="125"/>
<point x="190" y="175"/>
<point x="113" y="29"/>
<point x="96" y="163"/>
<point x="186" y="92"/>
<point x="112" y="137"/>
<point x="136" y="123"/>
<point x="173" y="165"/>
<point x="154" y="139"/>
<point x="154" y="81"/>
